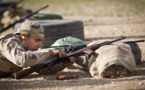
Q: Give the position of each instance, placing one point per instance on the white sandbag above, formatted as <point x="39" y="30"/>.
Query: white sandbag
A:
<point x="112" y="57"/>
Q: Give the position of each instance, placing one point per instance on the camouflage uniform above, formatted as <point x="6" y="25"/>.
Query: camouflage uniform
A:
<point x="14" y="57"/>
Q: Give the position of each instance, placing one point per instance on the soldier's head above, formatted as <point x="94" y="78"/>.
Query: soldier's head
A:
<point x="32" y="33"/>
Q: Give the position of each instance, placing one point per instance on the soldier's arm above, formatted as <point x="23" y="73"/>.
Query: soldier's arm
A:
<point x="14" y="52"/>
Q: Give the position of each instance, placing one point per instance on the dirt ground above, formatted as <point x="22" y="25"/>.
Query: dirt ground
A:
<point x="94" y="29"/>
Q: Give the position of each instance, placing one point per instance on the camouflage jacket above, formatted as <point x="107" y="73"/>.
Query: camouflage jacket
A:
<point x="12" y="50"/>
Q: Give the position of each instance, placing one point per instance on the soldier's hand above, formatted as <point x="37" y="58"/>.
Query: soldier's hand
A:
<point x="61" y="54"/>
<point x="58" y="53"/>
<point x="68" y="62"/>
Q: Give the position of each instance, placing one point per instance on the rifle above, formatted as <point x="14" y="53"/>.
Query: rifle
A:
<point x="68" y="48"/>
<point x="48" y="64"/>
<point x="10" y="6"/>
<point x="22" y="19"/>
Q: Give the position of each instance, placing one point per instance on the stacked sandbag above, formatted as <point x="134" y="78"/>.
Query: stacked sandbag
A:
<point x="112" y="61"/>
<point x="12" y="15"/>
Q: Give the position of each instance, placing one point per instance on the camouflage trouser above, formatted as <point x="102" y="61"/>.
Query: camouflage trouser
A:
<point x="6" y="68"/>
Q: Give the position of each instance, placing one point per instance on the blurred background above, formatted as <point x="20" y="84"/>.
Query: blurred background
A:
<point x="82" y="9"/>
<point x="101" y="18"/>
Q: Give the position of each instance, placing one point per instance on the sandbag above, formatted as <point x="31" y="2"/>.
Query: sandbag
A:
<point x="112" y="61"/>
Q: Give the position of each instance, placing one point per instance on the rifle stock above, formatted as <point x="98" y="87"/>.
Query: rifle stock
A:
<point x="22" y="19"/>
<point x="48" y="64"/>
<point x="28" y="71"/>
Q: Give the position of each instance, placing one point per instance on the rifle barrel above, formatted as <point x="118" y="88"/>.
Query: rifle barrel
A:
<point x="42" y="8"/>
<point x="107" y="42"/>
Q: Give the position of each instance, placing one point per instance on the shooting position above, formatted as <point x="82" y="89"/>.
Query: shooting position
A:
<point x="21" y="49"/>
